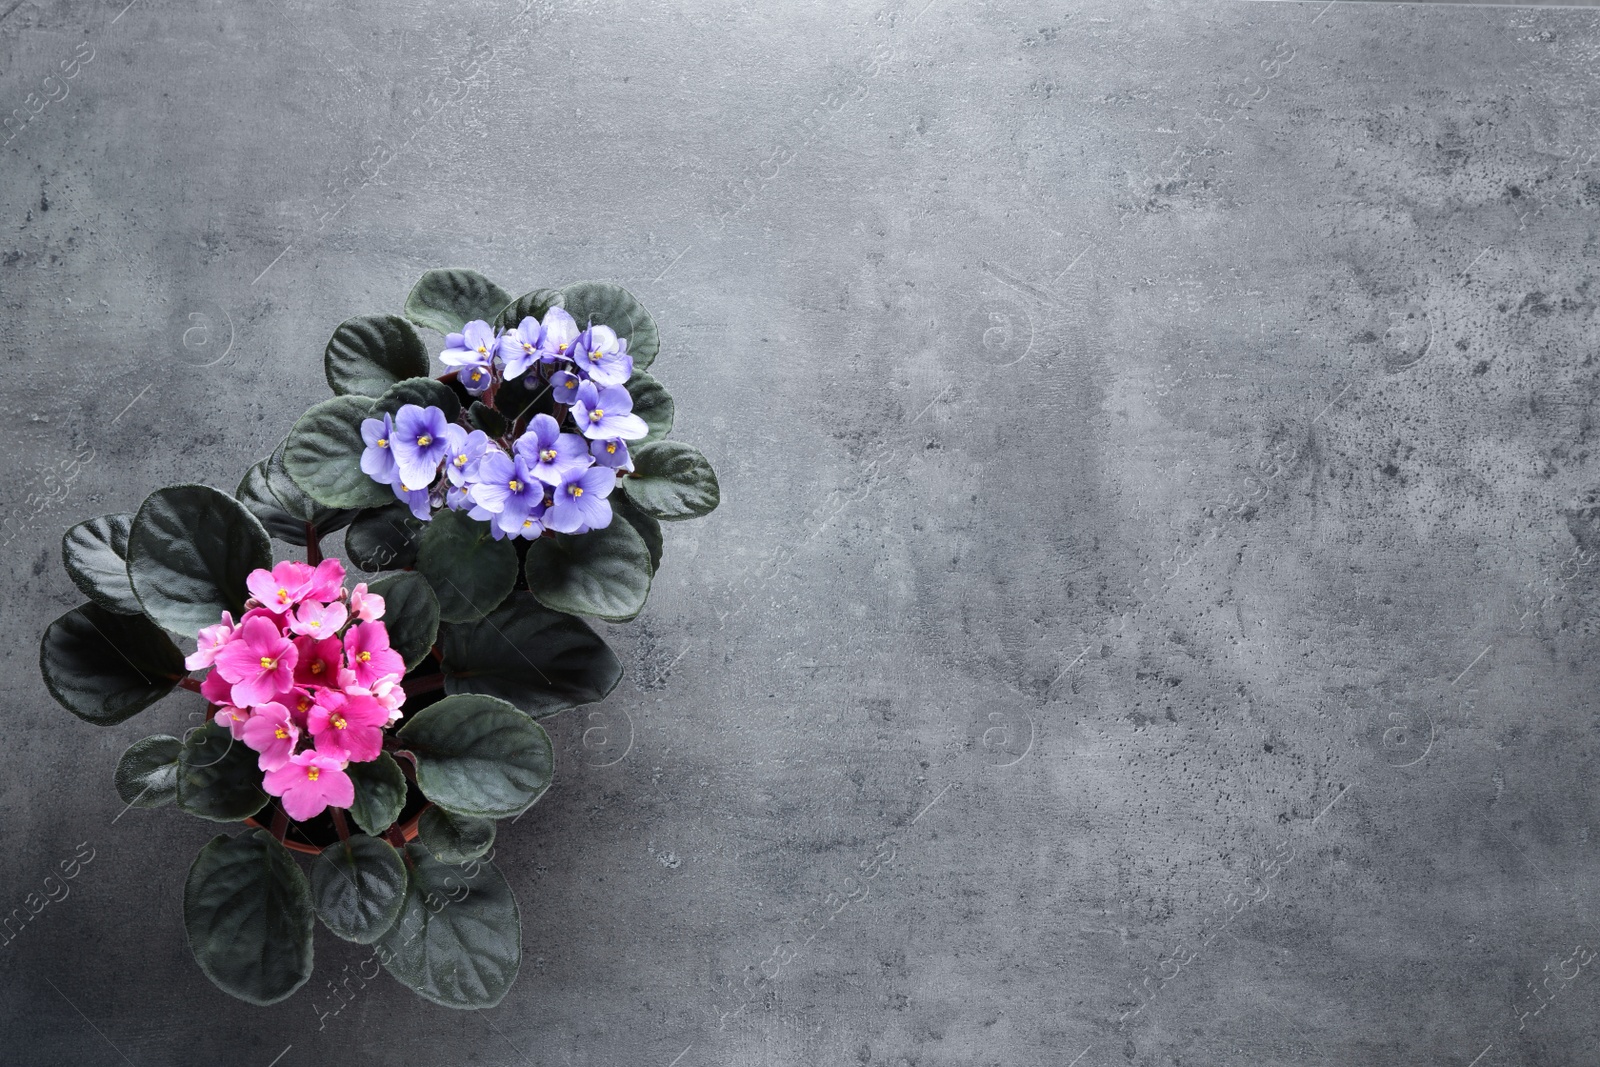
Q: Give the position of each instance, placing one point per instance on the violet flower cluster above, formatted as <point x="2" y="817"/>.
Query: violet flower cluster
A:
<point x="306" y="678"/>
<point x="545" y="478"/>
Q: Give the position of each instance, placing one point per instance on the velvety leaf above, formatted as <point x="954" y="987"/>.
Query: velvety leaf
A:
<point x="471" y="572"/>
<point x="357" y="887"/>
<point x="446" y="300"/>
<point x="189" y="551"/>
<point x="247" y="911"/>
<point x="217" y="776"/>
<point x="454" y="838"/>
<point x="477" y="755"/>
<point x="411" y="614"/>
<point x="104" y="667"/>
<point x="369" y="353"/>
<point x="458" y="941"/>
<point x="644" y="525"/>
<point x="533" y="304"/>
<point x="423" y="392"/>
<point x="604" y="573"/>
<point x="540" y="660"/>
<point x="653" y="404"/>
<point x="380" y="793"/>
<point x="672" y="480"/>
<point x="386" y="538"/>
<point x="487" y="419"/>
<point x="255" y="494"/>
<point x="96" y="556"/>
<point x="147" y="773"/>
<point x="612" y="305"/>
<point x="323" y="455"/>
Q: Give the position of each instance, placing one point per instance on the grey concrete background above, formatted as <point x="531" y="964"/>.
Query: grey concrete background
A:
<point x="1151" y="613"/>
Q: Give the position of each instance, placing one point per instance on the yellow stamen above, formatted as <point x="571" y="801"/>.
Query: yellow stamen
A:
<point x="364" y="656"/>
<point x="548" y="455"/>
<point x="337" y="722"/>
<point x="383" y="442"/>
<point x="281" y="734"/>
<point x="577" y="490"/>
<point x="461" y="460"/>
<point x="514" y="485"/>
<point x="312" y="773"/>
<point x="425" y="440"/>
<point x="268" y="663"/>
<point x="305" y="702"/>
<point x="611" y="448"/>
<point x="482" y="351"/>
<point x="596" y="415"/>
<point x="316" y="668"/>
<point x="283" y="596"/>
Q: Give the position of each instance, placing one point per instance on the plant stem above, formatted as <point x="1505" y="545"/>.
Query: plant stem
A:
<point x="280" y="823"/>
<point x="191" y="684"/>
<point x="340" y="825"/>
<point x="313" y="546"/>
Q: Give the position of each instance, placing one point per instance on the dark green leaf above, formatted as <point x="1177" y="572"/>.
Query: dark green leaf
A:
<point x="672" y="480"/>
<point x="647" y="527"/>
<point x="96" y="556"/>
<point x="323" y="455"/>
<point x="369" y="353"/>
<point x="653" y="404"/>
<point x="533" y="305"/>
<point x="297" y="505"/>
<point x="247" y="910"/>
<point x="357" y="887"/>
<point x="380" y="793"/>
<point x="458" y="941"/>
<point x="446" y="300"/>
<point x="604" y="573"/>
<point x="104" y="667"/>
<point x="487" y="419"/>
<point x="147" y="773"/>
<point x="385" y="538"/>
<point x="477" y="755"/>
<point x="612" y="305"/>
<point x="454" y="838"/>
<point x="217" y="776"/>
<point x="189" y="552"/>
<point x="470" y="571"/>
<point x="411" y="614"/>
<point x="423" y="392"/>
<point x="256" y="495"/>
<point x="540" y="660"/>
<point x="523" y="398"/>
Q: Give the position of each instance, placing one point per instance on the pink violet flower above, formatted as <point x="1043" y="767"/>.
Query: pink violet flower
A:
<point x="367" y="652"/>
<point x="316" y="619"/>
<point x="368" y="607"/>
<point x="234" y="719"/>
<point x="259" y="663"/>
<point x="280" y="588"/>
<point x="216" y="689"/>
<point x="319" y="661"/>
<point x="351" y="731"/>
<point x="326" y="583"/>
<point x="211" y="640"/>
<point x="309" y="783"/>
<point x="271" y="732"/>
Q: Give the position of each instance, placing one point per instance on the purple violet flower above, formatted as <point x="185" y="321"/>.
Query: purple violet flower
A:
<point x="418" y="444"/>
<point x="378" y="462"/>
<point x="474" y="346"/>
<point x="505" y="488"/>
<point x="550" y="454"/>
<point x="606" y="413"/>
<point x="564" y="386"/>
<point x="612" y="453"/>
<point x="463" y="450"/>
<point x="519" y="348"/>
<point x="415" y="499"/>
<point x="580" y="502"/>
<point x="557" y="334"/>
<point x="603" y="356"/>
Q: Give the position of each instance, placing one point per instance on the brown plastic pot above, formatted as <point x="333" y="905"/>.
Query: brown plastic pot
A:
<point x="408" y="832"/>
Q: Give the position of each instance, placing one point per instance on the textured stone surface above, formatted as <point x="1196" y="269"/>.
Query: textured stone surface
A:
<point x="1157" y="563"/>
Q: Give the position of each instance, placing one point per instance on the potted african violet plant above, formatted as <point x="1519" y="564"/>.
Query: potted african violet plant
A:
<point x="379" y="728"/>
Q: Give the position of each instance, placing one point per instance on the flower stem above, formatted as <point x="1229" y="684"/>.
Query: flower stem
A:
<point x="340" y="825"/>
<point x="280" y="823"/>
<point x="431" y="683"/>
<point x="191" y="684"/>
<point x="313" y="546"/>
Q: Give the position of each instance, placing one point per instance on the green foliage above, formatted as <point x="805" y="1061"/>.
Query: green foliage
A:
<point x="423" y="392"/>
<point x="411" y="614"/>
<point x="603" y="573"/>
<point x="471" y="572"/>
<point x="653" y="404"/>
<point x="95" y="553"/>
<point x="446" y="300"/>
<point x="454" y="838"/>
<point x="217" y="776"/>
<point x="104" y="667"/>
<point x="458" y="941"/>
<point x="368" y="354"/>
<point x="247" y="911"/>
<point x="540" y="660"/>
<point x="380" y="787"/>
<point x="671" y="481"/>
<point x="611" y="304"/>
<point x="385" y="538"/>
<point x="357" y="887"/>
<point x="477" y="755"/>
<point x="147" y="773"/>
<point x="528" y="305"/>
<point x="323" y="455"/>
<point x="190" y="550"/>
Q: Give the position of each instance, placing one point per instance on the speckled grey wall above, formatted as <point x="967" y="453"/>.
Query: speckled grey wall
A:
<point x="1151" y="616"/>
